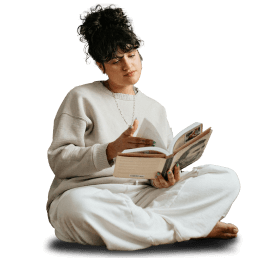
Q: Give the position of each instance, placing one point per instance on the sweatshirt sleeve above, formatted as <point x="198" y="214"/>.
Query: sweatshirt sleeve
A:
<point x="68" y="157"/>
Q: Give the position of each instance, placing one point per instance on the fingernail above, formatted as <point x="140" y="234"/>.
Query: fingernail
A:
<point x="155" y="176"/>
<point x="169" y="172"/>
<point x="177" y="165"/>
<point x="158" y="174"/>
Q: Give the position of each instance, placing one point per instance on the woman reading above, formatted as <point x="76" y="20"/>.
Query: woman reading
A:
<point x="95" y="121"/>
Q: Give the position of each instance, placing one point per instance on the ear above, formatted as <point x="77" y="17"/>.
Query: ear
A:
<point x="100" y="66"/>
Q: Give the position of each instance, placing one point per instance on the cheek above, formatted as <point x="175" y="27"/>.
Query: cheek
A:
<point x="138" y="66"/>
<point x="139" y="63"/>
<point x="112" y="73"/>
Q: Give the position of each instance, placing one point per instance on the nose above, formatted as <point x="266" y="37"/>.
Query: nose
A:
<point x="126" y="64"/>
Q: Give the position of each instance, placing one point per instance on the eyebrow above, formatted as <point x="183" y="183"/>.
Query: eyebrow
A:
<point x="120" y="57"/>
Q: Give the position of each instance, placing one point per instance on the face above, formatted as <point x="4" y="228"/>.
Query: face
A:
<point x="118" y="69"/>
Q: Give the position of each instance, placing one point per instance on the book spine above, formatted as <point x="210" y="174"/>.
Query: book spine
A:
<point x="166" y="168"/>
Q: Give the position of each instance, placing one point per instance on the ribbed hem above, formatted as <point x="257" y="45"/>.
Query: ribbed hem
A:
<point x="100" y="156"/>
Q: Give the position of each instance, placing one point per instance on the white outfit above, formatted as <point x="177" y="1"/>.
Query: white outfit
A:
<point x="95" y="208"/>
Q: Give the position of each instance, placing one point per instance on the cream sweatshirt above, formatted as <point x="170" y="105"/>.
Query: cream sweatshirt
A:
<point x="86" y="122"/>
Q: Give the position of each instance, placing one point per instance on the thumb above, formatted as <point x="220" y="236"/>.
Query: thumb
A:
<point x="130" y="131"/>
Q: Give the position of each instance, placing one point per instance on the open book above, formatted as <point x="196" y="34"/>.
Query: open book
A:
<point x="144" y="163"/>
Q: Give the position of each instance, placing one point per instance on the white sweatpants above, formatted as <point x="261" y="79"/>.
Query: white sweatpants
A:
<point x="131" y="217"/>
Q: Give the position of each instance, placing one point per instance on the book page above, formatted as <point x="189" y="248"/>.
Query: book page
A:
<point x="180" y="142"/>
<point x="185" y="135"/>
<point x="149" y="131"/>
<point x="138" y="168"/>
<point x="192" y="152"/>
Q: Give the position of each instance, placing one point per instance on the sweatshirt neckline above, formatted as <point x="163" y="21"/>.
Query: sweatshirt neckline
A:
<point x="121" y="96"/>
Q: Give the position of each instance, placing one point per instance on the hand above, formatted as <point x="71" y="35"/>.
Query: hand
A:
<point x="173" y="178"/>
<point x="127" y="141"/>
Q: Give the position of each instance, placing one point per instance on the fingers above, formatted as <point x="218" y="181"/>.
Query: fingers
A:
<point x="134" y="145"/>
<point x="137" y="141"/>
<point x="171" y="178"/>
<point x="156" y="183"/>
<point x="177" y="172"/>
<point x="160" y="182"/>
<point x="174" y="177"/>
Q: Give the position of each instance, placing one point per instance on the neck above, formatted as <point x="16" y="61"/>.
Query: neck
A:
<point x="120" y="89"/>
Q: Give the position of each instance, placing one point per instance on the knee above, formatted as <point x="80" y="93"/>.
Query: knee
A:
<point x="228" y="178"/>
<point x="73" y="206"/>
<point x="233" y="182"/>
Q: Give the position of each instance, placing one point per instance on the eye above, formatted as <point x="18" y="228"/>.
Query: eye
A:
<point x="119" y="60"/>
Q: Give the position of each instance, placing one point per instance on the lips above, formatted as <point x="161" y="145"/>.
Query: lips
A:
<point x="130" y="73"/>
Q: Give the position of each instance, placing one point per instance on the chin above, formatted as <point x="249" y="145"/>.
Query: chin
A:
<point x="134" y="79"/>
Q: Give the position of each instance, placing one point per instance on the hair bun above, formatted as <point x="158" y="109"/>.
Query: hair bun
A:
<point x="97" y="25"/>
<point x="104" y="30"/>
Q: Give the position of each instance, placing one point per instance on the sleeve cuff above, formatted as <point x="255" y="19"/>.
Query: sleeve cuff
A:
<point x="100" y="156"/>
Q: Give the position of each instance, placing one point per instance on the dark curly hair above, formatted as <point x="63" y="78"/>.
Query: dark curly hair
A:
<point x="104" y="30"/>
